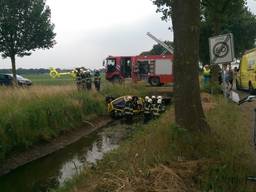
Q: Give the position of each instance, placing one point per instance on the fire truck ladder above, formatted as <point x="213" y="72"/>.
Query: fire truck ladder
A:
<point x="164" y="45"/>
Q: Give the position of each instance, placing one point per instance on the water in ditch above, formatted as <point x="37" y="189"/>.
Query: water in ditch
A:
<point x="53" y="170"/>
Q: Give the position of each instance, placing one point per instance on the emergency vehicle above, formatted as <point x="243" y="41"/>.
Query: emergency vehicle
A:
<point x="246" y="76"/>
<point x="156" y="69"/>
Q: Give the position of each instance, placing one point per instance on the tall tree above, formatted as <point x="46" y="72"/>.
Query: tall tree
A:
<point x="243" y="27"/>
<point x="217" y="12"/>
<point x="24" y="27"/>
<point x="186" y="25"/>
<point x="219" y="17"/>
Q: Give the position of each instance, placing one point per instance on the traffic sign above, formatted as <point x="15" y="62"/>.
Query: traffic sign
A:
<point x="222" y="49"/>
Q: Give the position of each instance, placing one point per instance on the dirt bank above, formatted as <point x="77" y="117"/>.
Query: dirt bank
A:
<point x="43" y="149"/>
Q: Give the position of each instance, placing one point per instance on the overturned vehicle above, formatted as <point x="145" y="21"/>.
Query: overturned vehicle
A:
<point x="116" y="106"/>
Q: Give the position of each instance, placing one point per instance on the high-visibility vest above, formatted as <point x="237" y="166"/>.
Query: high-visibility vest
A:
<point x="206" y="72"/>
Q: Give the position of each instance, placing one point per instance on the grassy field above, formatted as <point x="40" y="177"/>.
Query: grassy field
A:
<point x="163" y="157"/>
<point x="45" y="79"/>
<point x="40" y="112"/>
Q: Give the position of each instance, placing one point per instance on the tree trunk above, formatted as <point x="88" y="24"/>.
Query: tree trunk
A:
<point x="14" y="70"/>
<point x="188" y="108"/>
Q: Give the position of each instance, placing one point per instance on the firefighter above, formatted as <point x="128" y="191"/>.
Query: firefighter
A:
<point x="82" y="77"/>
<point x="154" y="100"/>
<point x="147" y="110"/>
<point x="156" y="109"/>
<point x="161" y="103"/>
<point x="88" y="80"/>
<point x="128" y="109"/>
<point x="135" y="103"/>
<point x="97" y="80"/>
<point x="146" y="98"/>
<point x="78" y="78"/>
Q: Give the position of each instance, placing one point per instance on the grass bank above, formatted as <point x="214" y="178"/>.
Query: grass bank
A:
<point x="163" y="157"/>
<point x="40" y="113"/>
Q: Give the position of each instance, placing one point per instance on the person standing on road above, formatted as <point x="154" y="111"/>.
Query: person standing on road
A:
<point x="226" y="80"/>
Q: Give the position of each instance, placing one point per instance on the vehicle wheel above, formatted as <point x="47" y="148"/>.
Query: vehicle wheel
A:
<point x="154" y="81"/>
<point x="251" y="89"/>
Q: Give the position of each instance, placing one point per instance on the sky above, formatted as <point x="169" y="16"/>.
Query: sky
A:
<point x="89" y="31"/>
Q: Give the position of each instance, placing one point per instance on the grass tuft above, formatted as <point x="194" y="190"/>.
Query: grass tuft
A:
<point x="40" y="113"/>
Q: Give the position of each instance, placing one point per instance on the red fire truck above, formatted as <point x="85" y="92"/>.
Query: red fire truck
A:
<point x="156" y="69"/>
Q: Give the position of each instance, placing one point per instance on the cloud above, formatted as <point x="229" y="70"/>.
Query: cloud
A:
<point x="89" y="48"/>
<point x="88" y="31"/>
<point x="252" y="5"/>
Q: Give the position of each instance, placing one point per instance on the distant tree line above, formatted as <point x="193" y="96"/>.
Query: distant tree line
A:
<point x="22" y="71"/>
<point x="34" y="71"/>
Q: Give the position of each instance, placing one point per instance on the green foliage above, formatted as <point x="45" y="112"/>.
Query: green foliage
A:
<point x="164" y="7"/>
<point x="236" y="19"/>
<point x="220" y="17"/>
<point x="23" y="123"/>
<point x="24" y="26"/>
<point x="230" y="147"/>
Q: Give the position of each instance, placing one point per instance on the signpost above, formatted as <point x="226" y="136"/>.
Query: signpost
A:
<point x="222" y="49"/>
<point x="221" y="52"/>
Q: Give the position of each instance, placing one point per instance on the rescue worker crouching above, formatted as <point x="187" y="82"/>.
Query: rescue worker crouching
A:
<point x="157" y="109"/>
<point x="161" y="104"/>
<point x="147" y="109"/>
<point x="154" y="100"/>
<point x="136" y="104"/>
<point x="128" y="109"/>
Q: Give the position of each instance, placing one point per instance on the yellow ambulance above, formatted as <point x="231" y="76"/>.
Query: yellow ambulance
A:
<point x="246" y="76"/>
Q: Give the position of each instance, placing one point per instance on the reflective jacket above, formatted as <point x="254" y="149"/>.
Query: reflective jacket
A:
<point x="147" y="108"/>
<point x="128" y="109"/>
<point x="206" y="72"/>
<point x="156" y="110"/>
